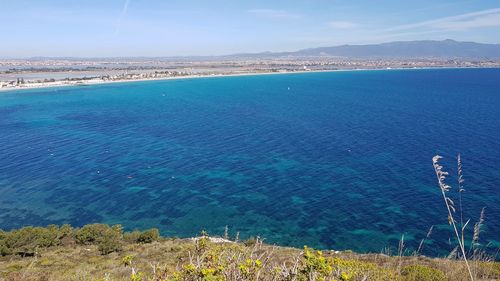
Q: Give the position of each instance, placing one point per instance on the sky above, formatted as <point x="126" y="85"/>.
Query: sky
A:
<point x="118" y="28"/>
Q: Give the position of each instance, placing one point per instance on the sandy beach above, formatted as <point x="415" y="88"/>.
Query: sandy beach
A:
<point x="99" y="81"/>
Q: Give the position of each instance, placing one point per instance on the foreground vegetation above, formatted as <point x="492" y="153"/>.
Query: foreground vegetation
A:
<point x="102" y="252"/>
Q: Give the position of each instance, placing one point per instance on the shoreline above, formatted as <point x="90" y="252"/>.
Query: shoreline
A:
<point x="91" y="82"/>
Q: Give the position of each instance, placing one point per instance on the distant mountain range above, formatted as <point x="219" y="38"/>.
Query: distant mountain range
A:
<point x="401" y="49"/>
<point x="445" y="49"/>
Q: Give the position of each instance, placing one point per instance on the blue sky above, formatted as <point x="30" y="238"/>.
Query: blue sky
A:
<point x="176" y="28"/>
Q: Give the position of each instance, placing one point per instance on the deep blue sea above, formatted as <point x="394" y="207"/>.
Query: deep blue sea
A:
<point x="338" y="160"/>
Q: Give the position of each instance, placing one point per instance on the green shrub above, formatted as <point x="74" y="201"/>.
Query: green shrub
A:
<point x="108" y="239"/>
<point x="127" y="260"/>
<point x="89" y="234"/>
<point x="422" y="273"/>
<point x="110" y="242"/>
<point x="352" y="269"/>
<point x="315" y="265"/>
<point x="4" y="250"/>
<point x="149" y="236"/>
<point x="65" y="231"/>
<point x="131" y="237"/>
<point x="26" y="240"/>
<point x="94" y="233"/>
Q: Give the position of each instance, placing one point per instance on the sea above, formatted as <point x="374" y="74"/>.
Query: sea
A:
<point x="332" y="160"/>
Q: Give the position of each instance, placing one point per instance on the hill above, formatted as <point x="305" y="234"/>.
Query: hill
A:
<point x="446" y="49"/>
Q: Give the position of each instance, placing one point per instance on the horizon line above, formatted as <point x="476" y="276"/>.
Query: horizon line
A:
<point x="232" y="54"/>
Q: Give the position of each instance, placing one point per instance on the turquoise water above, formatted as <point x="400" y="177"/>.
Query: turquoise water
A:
<point x="330" y="160"/>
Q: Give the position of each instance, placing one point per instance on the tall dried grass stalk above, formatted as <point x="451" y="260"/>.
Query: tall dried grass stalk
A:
<point x="421" y="245"/>
<point x="450" y="207"/>
<point x="461" y="189"/>
<point x="477" y="231"/>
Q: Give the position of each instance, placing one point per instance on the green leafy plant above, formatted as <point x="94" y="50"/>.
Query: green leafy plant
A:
<point x="422" y="273"/>
<point x="149" y="236"/>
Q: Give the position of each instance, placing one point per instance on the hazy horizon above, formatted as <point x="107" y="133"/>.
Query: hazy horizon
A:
<point x="206" y="56"/>
<point x="130" y="28"/>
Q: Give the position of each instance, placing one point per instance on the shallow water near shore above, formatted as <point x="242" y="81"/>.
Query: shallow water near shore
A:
<point x="338" y="160"/>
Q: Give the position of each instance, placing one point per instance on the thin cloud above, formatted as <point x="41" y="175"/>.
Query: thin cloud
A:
<point x="342" y="25"/>
<point x="122" y="16"/>
<point x="485" y="18"/>
<point x="274" y="14"/>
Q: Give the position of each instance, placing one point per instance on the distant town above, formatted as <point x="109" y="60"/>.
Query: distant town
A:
<point x="50" y="72"/>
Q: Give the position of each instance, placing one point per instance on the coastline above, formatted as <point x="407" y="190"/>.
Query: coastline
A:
<point x="61" y="84"/>
<point x="63" y="252"/>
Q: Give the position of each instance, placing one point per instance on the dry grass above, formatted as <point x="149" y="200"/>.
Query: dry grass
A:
<point x="170" y="257"/>
<point x="474" y="258"/>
